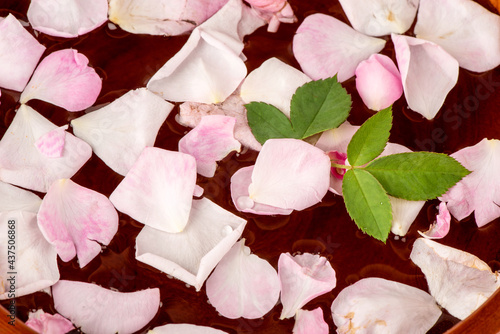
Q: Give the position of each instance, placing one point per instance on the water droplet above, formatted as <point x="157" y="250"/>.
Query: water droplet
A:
<point x="227" y="230"/>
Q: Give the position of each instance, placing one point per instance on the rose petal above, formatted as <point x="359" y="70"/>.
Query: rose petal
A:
<point x="98" y="310"/>
<point x="136" y="118"/>
<point x="404" y="214"/>
<point x="303" y="277"/>
<point x="46" y="323"/>
<point x="51" y="144"/>
<point x="14" y="198"/>
<point x="181" y="254"/>
<point x="325" y="46"/>
<point x="441" y="226"/>
<point x="307" y="322"/>
<point x="428" y="73"/>
<point x="273" y="12"/>
<point x="64" y="79"/>
<point x="184" y="329"/>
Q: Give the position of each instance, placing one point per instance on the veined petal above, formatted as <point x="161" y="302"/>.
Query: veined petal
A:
<point x="307" y="322"/>
<point x="440" y="228"/>
<point x="19" y="54"/>
<point x="184" y="329"/>
<point x="46" y="323"/>
<point x="69" y="18"/>
<point x="98" y="310"/>
<point x="13" y="198"/>
<point x="303" y="277"/>
<point x="325" y="46"/>
<point x="243" y="285"/>
<point x="64" y="78"/>
<point x="158" y="189"/>
<point x="51" y="144"/>
<point x="193" y="253"/>
<point x="465" y="29"/>
<point x="428" y="73"/>
<point x="136" y="118"/>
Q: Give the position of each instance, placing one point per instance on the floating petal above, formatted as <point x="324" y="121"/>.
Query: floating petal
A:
<point x="307" y="322"/>
<point x="98" y="310"/>
<point x="440" y="228"/>
<point x="404" y="214"/>
<point x="51" y="144"/>
<point x="46" y="323"/>
<point x="14" y="198"/>
<point x="184" y="329"/>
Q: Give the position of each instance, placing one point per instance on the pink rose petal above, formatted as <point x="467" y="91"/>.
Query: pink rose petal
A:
<point x="274" y="12"/>
<point x="98" y="310"/>
<point x="51" y="144"/>
<point x="243" y="285"/>
<point x="185" y="329"/>
<point x="74" y="219"/>
<point x="268" y="5"/>
<point x="404" y="213"/>
<point x="303" y="277"/>
<point x="46" y="323"/>
<point x="307" y="322"/>
<point x="14" y="198"/>
<point x="64" y="78"/>
<point x="440" y="228"/>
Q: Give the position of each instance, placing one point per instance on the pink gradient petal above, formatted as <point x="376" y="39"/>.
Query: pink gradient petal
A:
<point x="274" y="12"/>
<point x="303" y="277"/>
<point x="22" y="164"/>
<point x="268" y="5"/>
<point x="14" y="198"/>
<point x="19" y="54"/>
<point x="46" y="323"/>
<point x="74" y="219"/>
<point x="376" y="305"/>
<point x="136" y="119"/>
<point x="210" y="141"/>
<point x="98" y="310"/>
<point x="243" y="285"/>
<point x="64" y="78"/>
<point x="158" y="190"/>
<point x="325" y="46"/>
<point x="307" y="322"/>
<point x="51" y="144"/>
<point x="477" y="191"/>
<point x="428" y="73"/>
<point x="184" y="329"/>
<point x="465" y="29"/>
<point x="290" y="174"/>
<point x="440" y="228"/>
<point x="192" y="254"/>
<point x="378" y="82"/>
<point x="69" y="18"/>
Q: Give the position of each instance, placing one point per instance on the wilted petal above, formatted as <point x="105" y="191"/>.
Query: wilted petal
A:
<point x="303" y="277"/>
<point x="22" y="164"/>
<point x="440" y="228"/>
<point x="307" y="322"/>
<point x="35" y="260"/>
<point x="193" y="253"/>
<point x="274" y="82"/>
<point x="158" y="189"/>
<point x="19" y="54"/>
<point x="184" y="329"/>
<point x="467" y="31"/>
<point x="325" y="46"/>
<point x="69" y="18"/>
<point x="210" y="141"/>
<point x="380" y="17"/>
<point x="46" y="323"/>
<point x="404" y="213"/>
<point x="51" y="144"/>
<point x="428" y="73"/>
<point x="14" y="198"/>
<point x="477" y="191"/>
<point x="378" y="82"/>
<point x="98" y="310"/>
<point x="64" y="78"/>
<point x="460" y="282"/>
<point x="120" y="131"/>
<point x="376" y="305"/>
<point x="243" y="285"/>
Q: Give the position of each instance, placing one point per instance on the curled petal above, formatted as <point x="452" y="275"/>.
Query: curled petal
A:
<point x="441" y="227"/>
<point x="51" y="144"/>
<point x="303" y="278"/>
<point x="325" y="46"/>
<point x="64" y="78"/>
<point x="184" y="329"/>
<point x="307" y="322"/>
<point x="14" y="198"/>
<point x="268" y="5"/>
<point x="404" y="213"/>
<point x="98" y="310"/>
<point x="46" y="323"/>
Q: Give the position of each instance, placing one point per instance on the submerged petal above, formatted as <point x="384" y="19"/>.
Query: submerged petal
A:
<point x="307" y="322"/>
<point x="46" y="323"/>
<point x="184" y="329"/>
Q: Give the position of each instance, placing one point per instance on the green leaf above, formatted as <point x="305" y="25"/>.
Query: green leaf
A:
<point x="370" y="140"/>
<point x="367" y="203"/>
<point x="417" y="176"/>
<point x="267" y="121"/>
<point x="318" y="106"/>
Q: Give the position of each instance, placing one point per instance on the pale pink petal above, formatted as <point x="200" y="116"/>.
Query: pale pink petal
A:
<point x="460" y="282"/>
<point x="273" y="12"/>
<point x="268" y="5"/>
<point x="14" y="198"/>
<point x="477" y="192"/>
<point x="440" y="228"/>
<point x="240" y="181"/>
<point x="243" y="285"/>
<point x="428" y="73"/>
<point x="198" y="191"/>
<point x="307" y="322"/>
<point x="404" y="213"/>
<point x="46" y="323"/>
<point x="210" y="141"/>
<point x="75" y="220"/>
<point x="64" y="78"/>
<point x="380" y="17"/>
<point x="120" y="131"/>
<point x="184" y="329"/>
<point x="325" y="46"/>
<point x="19" y="54"/>
<point x="378" y="82"/>
<point x="35" y="266"/>
<point x="158" y="189"/>
<point x="22" y="164"/>
<point x="274" y="82"/>
<point x="303" y="277"/>
<point x="467" y="31"/>
<point x="51" y="144"/>
<point x="290" y="174"/>
<point x="376" y="305"/>
<point x="69" y="18"/>
<point x="98" y="310"/>
<point x="181" y="254"/>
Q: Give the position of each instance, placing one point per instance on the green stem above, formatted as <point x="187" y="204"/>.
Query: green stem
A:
<point x="341" y="166"/>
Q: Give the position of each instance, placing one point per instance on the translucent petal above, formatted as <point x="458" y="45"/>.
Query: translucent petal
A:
<point x="404" y="214"/>
<point x="47" y="323"/>
<point x="184" y="329"/>
<point x="307" y="322"/>
<point x="14" y="198"/>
